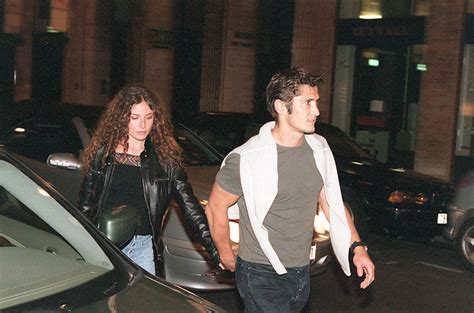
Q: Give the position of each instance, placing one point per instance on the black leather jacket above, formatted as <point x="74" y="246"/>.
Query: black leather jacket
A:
<point x="161" y="183"/>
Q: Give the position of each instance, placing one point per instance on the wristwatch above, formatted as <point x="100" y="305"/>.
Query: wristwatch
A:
<point x="356" y="244"/>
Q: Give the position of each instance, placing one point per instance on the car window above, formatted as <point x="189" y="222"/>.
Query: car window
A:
<point x="195" y="151"/>
<point x="41" y="243"/>
<point x="345" y="148"/>
<point x="221" y="132"/>
<point x="37" y="139"/>
<point x="341" y="145"/>
<point x="252" y="129"/>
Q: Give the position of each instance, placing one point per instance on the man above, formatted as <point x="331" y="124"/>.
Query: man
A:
<point x="276" y="179"/>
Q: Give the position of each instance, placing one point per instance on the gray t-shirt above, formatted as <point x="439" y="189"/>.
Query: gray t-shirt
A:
<point x="291" y="216"/>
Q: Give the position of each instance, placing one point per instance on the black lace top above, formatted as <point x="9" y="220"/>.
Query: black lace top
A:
<point x="126" y="188"/>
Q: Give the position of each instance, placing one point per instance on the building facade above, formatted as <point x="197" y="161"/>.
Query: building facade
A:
<point x="399" y="75"/>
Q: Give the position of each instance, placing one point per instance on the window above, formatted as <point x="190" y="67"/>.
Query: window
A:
<point x="43" y="248"/>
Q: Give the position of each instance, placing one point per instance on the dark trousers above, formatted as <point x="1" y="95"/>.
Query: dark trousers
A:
<point x="263" y="290"/>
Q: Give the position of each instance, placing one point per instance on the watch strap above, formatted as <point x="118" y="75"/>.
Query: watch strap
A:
<point x="356" y="244"/>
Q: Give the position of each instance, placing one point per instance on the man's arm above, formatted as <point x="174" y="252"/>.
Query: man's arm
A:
<point x="216" y="212"/>
<point x="361" y="259"/>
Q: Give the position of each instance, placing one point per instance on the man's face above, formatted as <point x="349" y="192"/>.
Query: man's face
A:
<point x="304" y="110"/>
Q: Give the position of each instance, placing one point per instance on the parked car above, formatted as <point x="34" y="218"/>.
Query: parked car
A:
<point x="460" y="227"/>
<point x="54" y="260"/>
<point x="66" y="127"/>
<point x="11" y="113"/>
<point x="224" y="131"/>
<point x="185" y="261"/>
<point x="395" y="201"/>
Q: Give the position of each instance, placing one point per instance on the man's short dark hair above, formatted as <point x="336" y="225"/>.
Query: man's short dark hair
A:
<point x="284" y="86"/>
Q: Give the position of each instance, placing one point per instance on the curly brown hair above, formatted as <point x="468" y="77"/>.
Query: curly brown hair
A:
<point x="112" y="128"/>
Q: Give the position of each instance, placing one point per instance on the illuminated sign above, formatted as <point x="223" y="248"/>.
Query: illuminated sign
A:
<point x="373" y="62"/>
<point x="421" y="67"/>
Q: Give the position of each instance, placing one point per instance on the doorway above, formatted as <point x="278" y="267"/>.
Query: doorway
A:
<point x="7" y="71"/>
<point x="47" y="67"/>
<point x="379" y="92"/>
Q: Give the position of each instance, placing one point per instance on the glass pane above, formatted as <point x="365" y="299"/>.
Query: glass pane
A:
<point x="41" y="243"/>
<point x="195" y="152"/>
<point x="465" y="138"/>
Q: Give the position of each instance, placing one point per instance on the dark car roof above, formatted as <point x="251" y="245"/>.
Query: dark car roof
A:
<point x="348" y="154"/>
<point x="226" y="130"/>
<point x="42" y="133"/>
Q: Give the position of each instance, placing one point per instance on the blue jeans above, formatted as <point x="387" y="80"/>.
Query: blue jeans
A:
<point x="140" y="251"/>
<point x="263" y="290"/>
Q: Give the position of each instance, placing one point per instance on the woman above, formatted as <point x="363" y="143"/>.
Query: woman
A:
<point x="134" y="160"/>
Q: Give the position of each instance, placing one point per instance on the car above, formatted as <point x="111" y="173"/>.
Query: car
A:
<point x="66" y="127"/>
<point x="13" y="112"/>
<point x="460" y="227"/>
<point x="185" y="261"/>
<point x="224" y="130"/>
<point x="54" y="260"/>
<point x="388" y="200"/>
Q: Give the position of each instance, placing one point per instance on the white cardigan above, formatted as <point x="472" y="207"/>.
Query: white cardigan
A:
<point x="259" y="179"/>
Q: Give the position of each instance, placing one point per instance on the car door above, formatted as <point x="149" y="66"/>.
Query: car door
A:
<point x="52" y="259"/>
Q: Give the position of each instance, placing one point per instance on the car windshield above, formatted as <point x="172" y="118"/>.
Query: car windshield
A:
<point x="196" y="152"/>
<point x="37" y="139"/>
<point x="341" y="145"/>
<point x="44" y="249"/>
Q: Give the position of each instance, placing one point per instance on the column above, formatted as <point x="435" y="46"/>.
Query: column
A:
<point x="440" y="87"/>
<point x="158" y="48"/>
<point x="86" y="76"/>
<point x="314" y="42"/>
<point x="18" y="21"/>
<point x="228" y="67"/>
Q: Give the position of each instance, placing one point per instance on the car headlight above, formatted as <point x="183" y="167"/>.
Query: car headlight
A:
<point x="321" y="223"/>
<point x="404" y="197"/>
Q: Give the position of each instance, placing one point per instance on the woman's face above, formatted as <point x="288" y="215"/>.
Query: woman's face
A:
<point x="141" y="121"/>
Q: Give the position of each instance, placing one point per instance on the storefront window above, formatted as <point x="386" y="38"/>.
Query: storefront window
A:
<point x="385" y="101"/>
<point x="378" y="74"/>
<point x="465" y="133"/>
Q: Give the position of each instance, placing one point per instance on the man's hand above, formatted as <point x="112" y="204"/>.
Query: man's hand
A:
<point x="228" y="262"/>
<point x="364" y="265"/>
<point x="216" y="212"/>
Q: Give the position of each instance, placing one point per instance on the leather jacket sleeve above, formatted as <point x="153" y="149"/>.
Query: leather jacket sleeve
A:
<point x="193" y="211"/>
<point x="87" y="202"/>
<point x="91" y="187"/>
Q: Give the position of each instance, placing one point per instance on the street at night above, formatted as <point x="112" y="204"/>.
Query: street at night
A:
<point x="144" y="145"/>
<point x="410" y="277"/>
